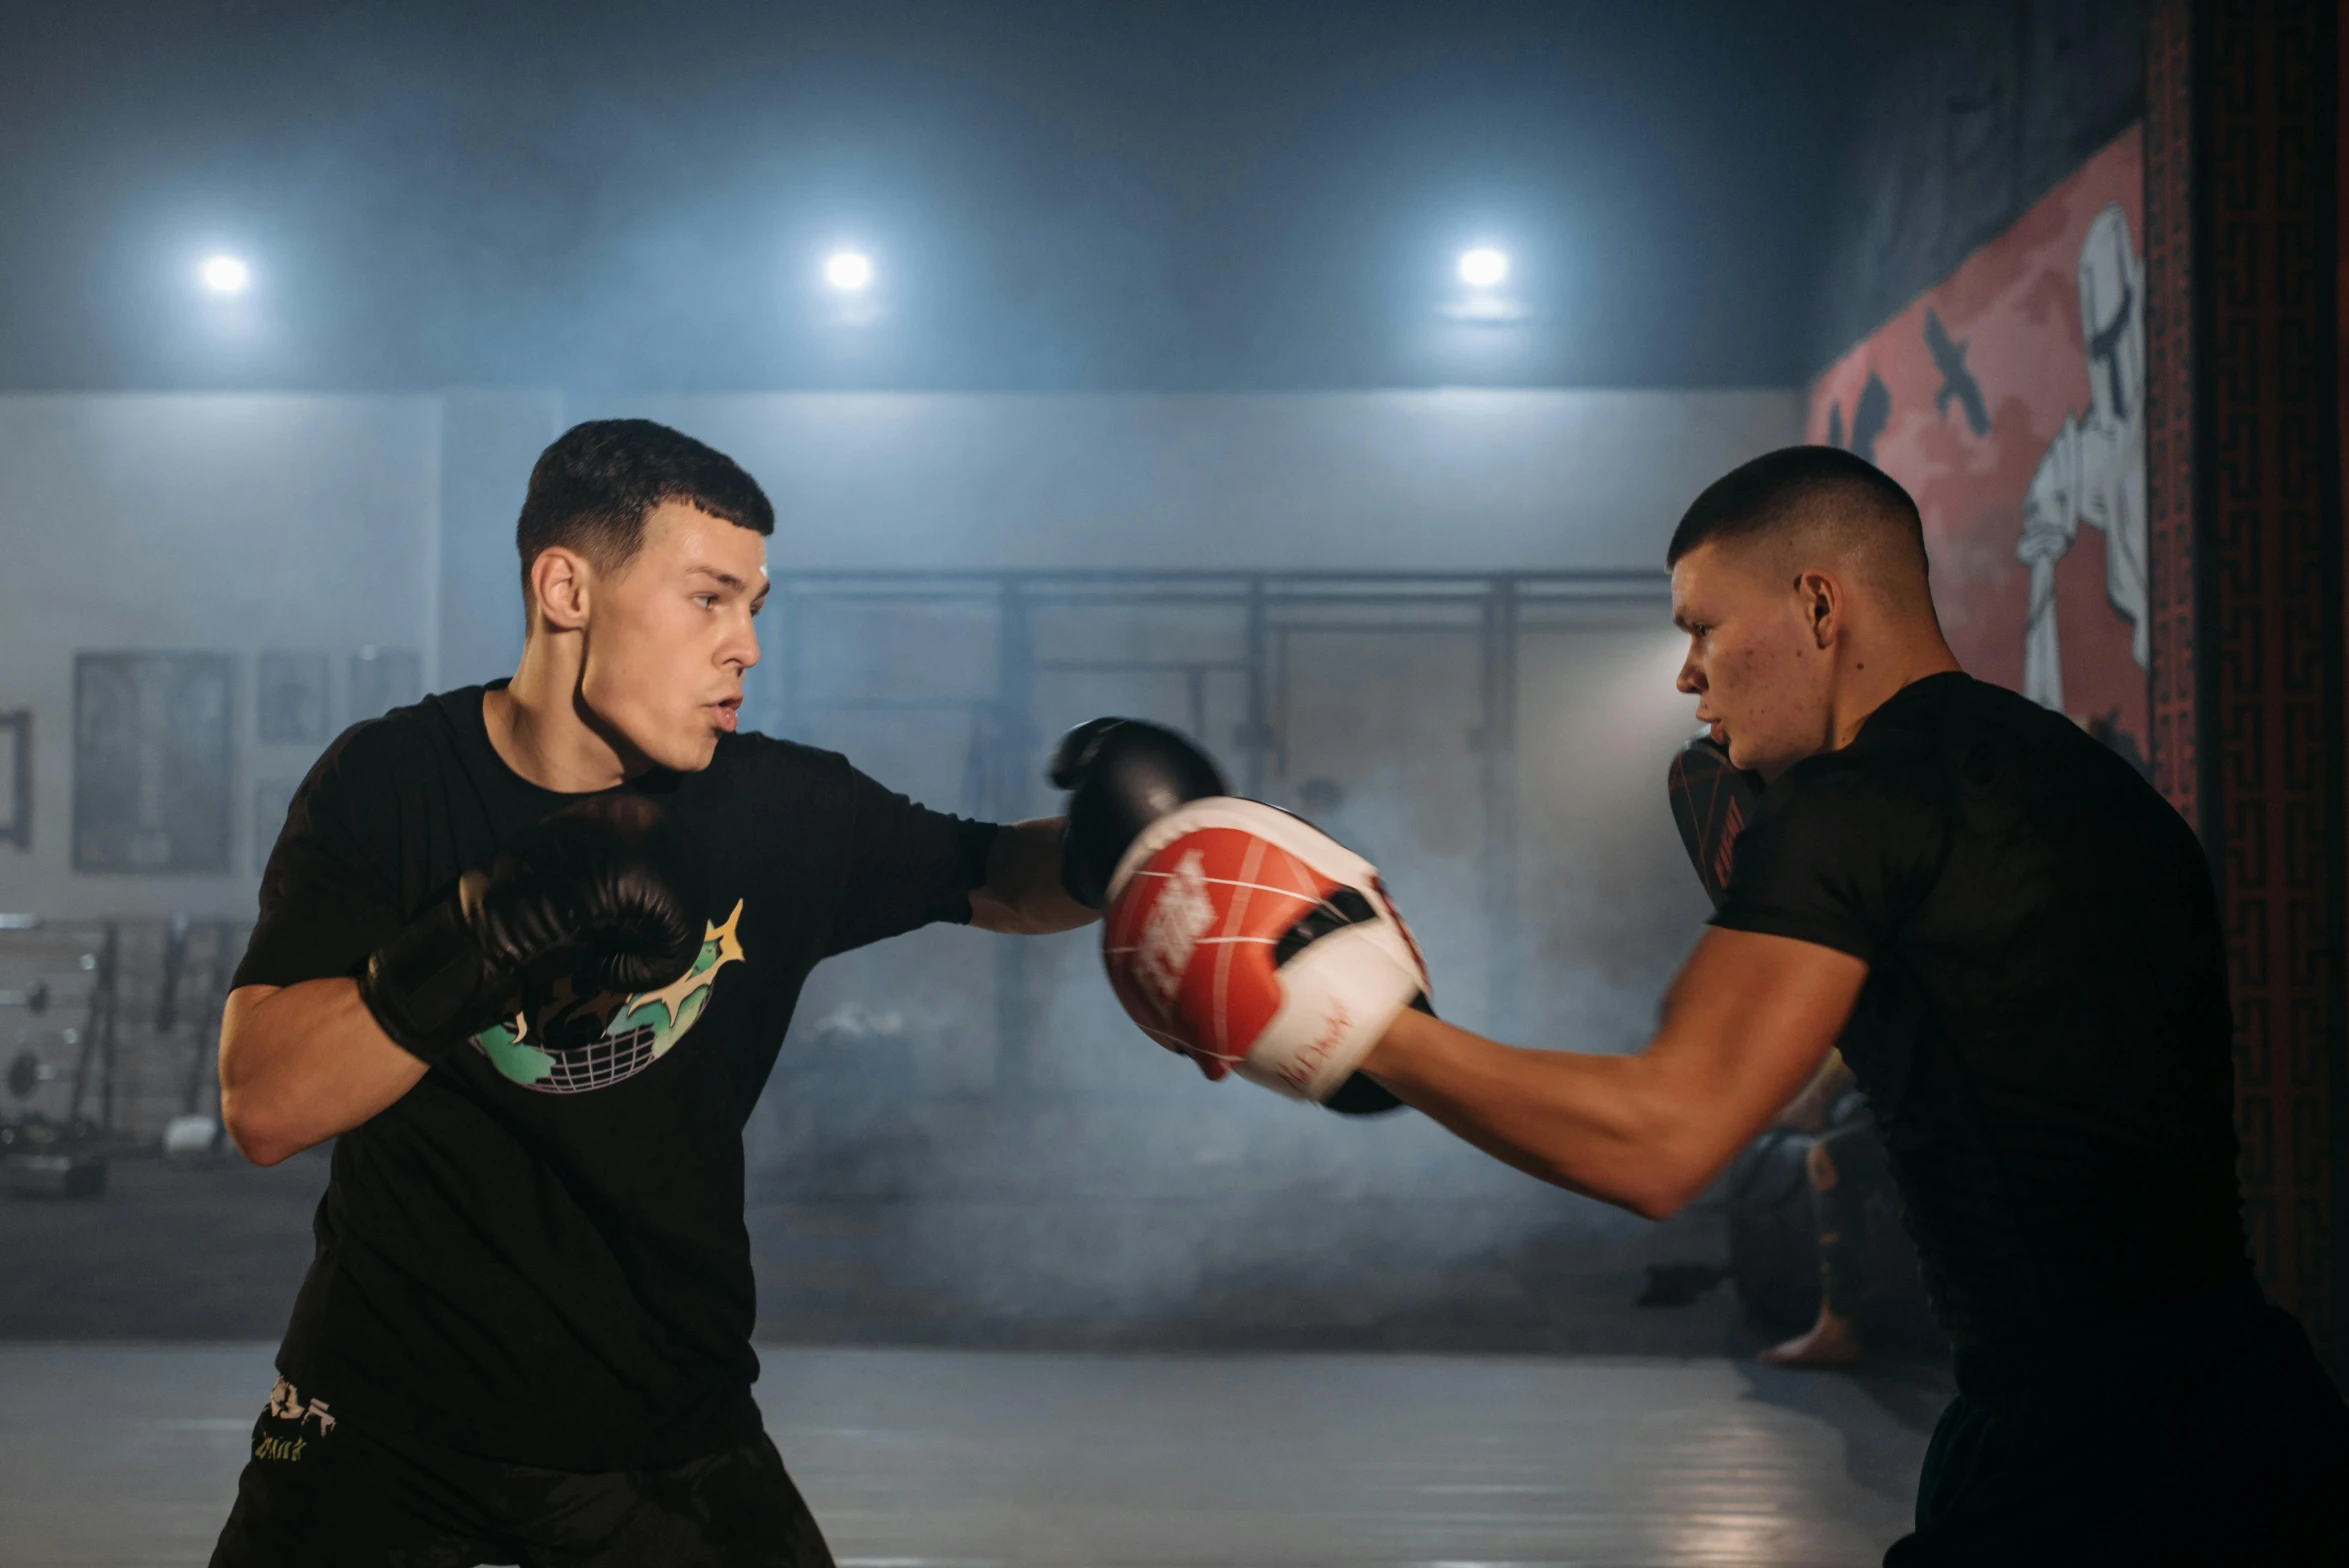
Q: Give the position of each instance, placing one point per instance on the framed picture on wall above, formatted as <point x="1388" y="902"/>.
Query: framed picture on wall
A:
<point x="152" y="761"/>
<point x="16" y="778"/>
<point x="290" y="695"/>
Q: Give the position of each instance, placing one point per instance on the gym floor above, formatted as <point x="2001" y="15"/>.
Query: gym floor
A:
<point x="1629" y="1436"/>
<point x="128" y="1454"/>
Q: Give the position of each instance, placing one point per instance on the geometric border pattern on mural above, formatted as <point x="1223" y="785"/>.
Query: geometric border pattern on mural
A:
<point x="2169" y="406"/>
<point x="2267" y="549"/>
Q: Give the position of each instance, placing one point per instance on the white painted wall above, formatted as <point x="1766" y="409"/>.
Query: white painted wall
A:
<point x="192" y="523"/>
<point x="237" y="523"/>
<point x="1446" y="479"/>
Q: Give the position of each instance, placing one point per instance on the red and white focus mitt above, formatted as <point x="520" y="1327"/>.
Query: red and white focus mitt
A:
<point x="1253" y="942"/>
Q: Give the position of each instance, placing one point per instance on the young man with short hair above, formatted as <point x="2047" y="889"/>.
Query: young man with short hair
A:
<point x="2025" y="937"/>
<point x="528" y="951"/>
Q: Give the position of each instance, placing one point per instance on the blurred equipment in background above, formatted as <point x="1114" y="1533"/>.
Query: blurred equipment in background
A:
<point x="133" y="1006"/>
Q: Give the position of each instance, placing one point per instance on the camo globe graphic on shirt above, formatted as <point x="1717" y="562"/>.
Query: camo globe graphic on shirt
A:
<point x="569" y="1044"/>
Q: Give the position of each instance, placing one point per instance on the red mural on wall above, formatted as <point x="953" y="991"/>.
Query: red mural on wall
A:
<point x="2009" y="399"/>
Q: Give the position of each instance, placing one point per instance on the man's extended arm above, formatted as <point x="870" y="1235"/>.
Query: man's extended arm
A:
<point x="1022" y="894"/>
<point x="1746" y="1023"/>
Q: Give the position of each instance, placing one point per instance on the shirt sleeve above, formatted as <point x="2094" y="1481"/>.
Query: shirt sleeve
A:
<point x="907" y="866"/>
<point x="327" y="899"/>
<point x="1837" y="856"/>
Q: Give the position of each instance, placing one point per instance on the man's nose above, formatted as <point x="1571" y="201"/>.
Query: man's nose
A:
<point x="742" y="649"/>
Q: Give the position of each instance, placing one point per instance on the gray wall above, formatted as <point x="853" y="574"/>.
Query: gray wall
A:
<point x="243" y="523"/>
<point x="228" y="523"/>
<point x="489" y="439"/>
<point x="1445" y="479"/>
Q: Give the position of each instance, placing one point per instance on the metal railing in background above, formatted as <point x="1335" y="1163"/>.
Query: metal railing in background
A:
<point x="1239" y="626"/>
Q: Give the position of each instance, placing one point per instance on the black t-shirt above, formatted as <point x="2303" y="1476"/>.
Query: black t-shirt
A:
<point x="2044" y="1034"/>
<point x="538" y="1253"/>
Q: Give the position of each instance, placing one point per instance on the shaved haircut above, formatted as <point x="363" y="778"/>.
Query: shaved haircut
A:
<point x="594" y="487"/>
<point x="1814" y="504"/>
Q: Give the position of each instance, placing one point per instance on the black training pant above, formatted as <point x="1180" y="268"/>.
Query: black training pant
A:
<point x="313" y="1497"/>
<point x="2204" y="1434"/>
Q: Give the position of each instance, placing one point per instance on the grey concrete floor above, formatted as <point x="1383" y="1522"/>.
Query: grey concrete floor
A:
<point x="122" y="1455"/>
<point x="215" y="1250"/>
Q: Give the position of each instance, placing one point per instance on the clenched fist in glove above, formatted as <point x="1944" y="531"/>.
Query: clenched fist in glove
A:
<point x="1254" y="943"/>
<point x="607" y="890"/>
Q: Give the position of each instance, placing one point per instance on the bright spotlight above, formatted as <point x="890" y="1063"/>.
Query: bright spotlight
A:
<point x="1483" y="268"/>
<point x="848" y="271"/>
<point x="225" y="275"/>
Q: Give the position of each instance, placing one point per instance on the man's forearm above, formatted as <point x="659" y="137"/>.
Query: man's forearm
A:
<point x="1590" y="1124"/>
<point x="1747" y="1022"/>
<point x="1022" y="893"/>
<point x="301" y="1063"/>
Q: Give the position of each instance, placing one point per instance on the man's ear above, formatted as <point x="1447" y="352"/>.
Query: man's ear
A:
<point x="560" y="580"/>
<point x="1823" y="604"/>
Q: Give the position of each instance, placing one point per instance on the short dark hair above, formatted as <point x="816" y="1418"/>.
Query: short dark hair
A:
<point x="1796" y="485"/>
<point x="593" y="488"/>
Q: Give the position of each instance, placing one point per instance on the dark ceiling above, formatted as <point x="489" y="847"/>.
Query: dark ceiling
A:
<point x="1167" y="195"/>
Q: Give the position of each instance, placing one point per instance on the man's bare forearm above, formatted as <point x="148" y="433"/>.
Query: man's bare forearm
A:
<point x="1746" y="1023"/>
<point x="301" y="1063"/>
<point x="1022" y="894"/>
<point x="1585" y="1123"/>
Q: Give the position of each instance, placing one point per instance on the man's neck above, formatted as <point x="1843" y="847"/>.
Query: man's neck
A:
<point x="539" y="727"/>
<point x="1872" y="678"/>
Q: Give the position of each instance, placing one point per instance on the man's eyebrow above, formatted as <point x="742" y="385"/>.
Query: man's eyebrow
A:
<point x="727" y="578"/>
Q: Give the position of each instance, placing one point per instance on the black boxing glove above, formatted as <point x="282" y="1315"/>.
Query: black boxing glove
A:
<point x="608" y="891"/>
<point x="1712" y="801"/>
<point x="1122" y="775"/>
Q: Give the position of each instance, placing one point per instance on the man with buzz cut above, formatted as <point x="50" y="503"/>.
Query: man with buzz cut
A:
<point x="2024" y="941"/>
<point x="526" y="952"/>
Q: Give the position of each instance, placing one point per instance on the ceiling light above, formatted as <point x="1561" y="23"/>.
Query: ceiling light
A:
<point x="225" y="275"/>
<point x="1483" y="268"/>
<point x="848" y="271"/>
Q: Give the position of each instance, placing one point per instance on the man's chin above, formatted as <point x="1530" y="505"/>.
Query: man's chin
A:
<point x="1747" y="758"/>
<point x="688" y="754"/>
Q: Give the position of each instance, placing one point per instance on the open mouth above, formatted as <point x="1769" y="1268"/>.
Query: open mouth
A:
<point x="725" y="715"/>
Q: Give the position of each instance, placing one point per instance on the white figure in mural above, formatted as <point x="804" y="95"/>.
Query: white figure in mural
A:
<point x="2094" y="470"/>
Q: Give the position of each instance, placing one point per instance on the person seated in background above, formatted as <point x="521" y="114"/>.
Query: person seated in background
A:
<point x="1845" y="1166"/>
